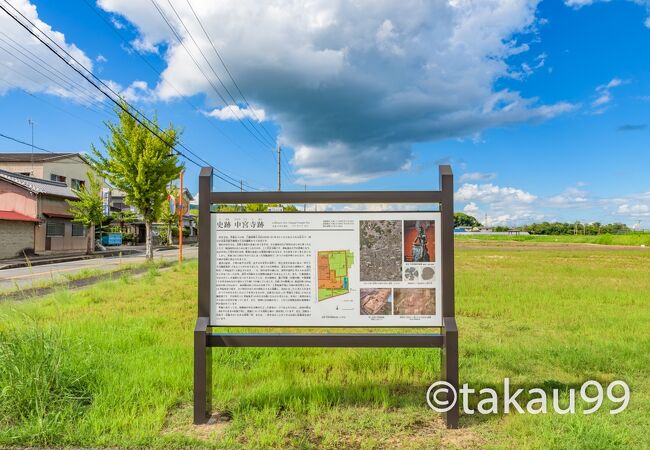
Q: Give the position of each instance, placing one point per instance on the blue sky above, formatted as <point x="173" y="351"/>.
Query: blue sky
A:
<point x="541" y="108"/>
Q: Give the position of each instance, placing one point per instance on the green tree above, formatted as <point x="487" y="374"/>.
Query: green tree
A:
<point x="465" y="220"/>
<point x="141" y="165"/>
<point x="88" y="210"/>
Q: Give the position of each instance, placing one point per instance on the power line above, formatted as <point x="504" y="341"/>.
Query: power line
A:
<point x="223" y="63"/>
<point x="46" y="66"/>
<point x="50" y="104"/>
<point x="119" y="104"/>
<point x="27" y="144"/>
<point x="159" y="73"/>
<point x="89" y="105"/>
<point x="207" y="61"/>
<point x="214" y="88"/>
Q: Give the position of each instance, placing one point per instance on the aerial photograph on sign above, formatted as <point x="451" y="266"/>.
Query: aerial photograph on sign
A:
<point x="419" y="241"/>
<point x="415" y="301"/>
<point x="333" y="273"/>
<point x="376" y="302"/>
<point x="381" y="250"/>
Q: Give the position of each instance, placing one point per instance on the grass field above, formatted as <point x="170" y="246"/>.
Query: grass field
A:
<point x="635" y="239"/>
<point x="111" y="366"/>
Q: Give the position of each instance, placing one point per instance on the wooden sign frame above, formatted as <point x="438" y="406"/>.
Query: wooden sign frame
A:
<point x="207" y="337"/>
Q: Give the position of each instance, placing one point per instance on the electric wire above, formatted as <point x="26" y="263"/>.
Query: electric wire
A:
<point x="120" y="104"/>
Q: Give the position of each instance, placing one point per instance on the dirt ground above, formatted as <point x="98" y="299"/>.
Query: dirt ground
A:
<point x="415" y="301"/>
<point x="374" y="302"/>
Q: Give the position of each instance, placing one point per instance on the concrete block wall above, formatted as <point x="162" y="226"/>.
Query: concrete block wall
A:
<point x="15" y="236"/>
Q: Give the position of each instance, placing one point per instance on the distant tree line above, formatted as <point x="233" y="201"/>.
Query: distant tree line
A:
<point x="549" y="228"/>
<point x="594" y="228"/>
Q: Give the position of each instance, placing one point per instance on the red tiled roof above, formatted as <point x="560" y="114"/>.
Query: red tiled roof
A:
<point x="12" y="215"/>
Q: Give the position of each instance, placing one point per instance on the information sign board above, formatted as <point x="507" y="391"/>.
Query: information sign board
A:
<point x="327" y="269"/>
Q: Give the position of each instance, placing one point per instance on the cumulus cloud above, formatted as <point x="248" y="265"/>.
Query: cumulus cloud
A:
<point x="15" y="73"/>
<point x="493" y="194"/>
<point x="512" y="206"/>
<point x="234" y="112"/>
<point x="353" y="85"/>
<point x="634" y="210"/>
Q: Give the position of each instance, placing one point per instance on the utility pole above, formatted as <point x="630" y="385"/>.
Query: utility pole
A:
<point x="31" y="123"/>
<point x="241" y="189"/>
<point x="304" y="208"/>
<point x="279" y="167"/>
<point x="180" y="220"/>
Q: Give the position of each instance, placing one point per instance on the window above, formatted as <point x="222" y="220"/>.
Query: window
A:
<point x="77" y="184"/>
<point x="55" y="177"/>
<point x="55" y="229"/>
<point x="78" y="229"/>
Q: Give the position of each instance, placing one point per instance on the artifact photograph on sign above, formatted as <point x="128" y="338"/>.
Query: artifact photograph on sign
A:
<point x="325" y="269"/>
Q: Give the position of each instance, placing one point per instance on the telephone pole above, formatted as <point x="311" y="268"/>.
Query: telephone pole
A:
<point x="279" y="167"/>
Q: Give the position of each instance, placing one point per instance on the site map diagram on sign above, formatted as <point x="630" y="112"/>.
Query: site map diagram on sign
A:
<point x="333" y="277"/>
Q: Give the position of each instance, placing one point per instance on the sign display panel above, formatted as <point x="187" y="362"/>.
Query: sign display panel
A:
<point x="326" y="269"/>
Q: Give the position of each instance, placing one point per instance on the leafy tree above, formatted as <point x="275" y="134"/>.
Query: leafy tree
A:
<point x="465" y="220"/>
<point x="124" y="217"/>
<point x="88" y="210"/>
<point x="141" y="165"/>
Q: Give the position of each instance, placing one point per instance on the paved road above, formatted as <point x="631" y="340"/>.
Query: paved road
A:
<point x="27" y="276"/>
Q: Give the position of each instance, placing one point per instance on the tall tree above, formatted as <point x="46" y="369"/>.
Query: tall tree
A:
<point x="88" y="210"/>
<point x="141" y="165"/>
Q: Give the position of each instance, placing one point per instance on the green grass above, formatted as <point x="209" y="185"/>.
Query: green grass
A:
<point x="635" y="239"/>
<point x="111" y="366"/>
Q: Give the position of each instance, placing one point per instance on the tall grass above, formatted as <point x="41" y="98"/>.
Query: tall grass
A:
<point x="47" y="383"/>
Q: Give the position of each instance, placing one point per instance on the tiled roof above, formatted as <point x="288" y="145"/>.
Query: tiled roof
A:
<point x="37" y="157"/>
<point x="38" y="185"/>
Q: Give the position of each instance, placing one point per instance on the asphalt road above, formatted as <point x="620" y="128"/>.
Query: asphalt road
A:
<point x="28" y="276"/>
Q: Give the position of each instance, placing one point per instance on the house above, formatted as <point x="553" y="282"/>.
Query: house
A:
<point x="69" y="168"/>
<point x="35" y="217"/>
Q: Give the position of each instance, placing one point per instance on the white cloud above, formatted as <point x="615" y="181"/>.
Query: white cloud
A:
<point x="15" y="73"/>
<point x="493" y="194"/>
<point x="471" y="208"/>
<point x="477" y="176"/>
<point x="101" y="58"/>
<point x="604" y="95"/>
<point x="137" y="91"/>
<point x="512" y="206"/>
<point x="356" y="82"/>
<point x="634" y="210"/>
<point x="569" y="198"/>
<point x="233" y="112"/>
